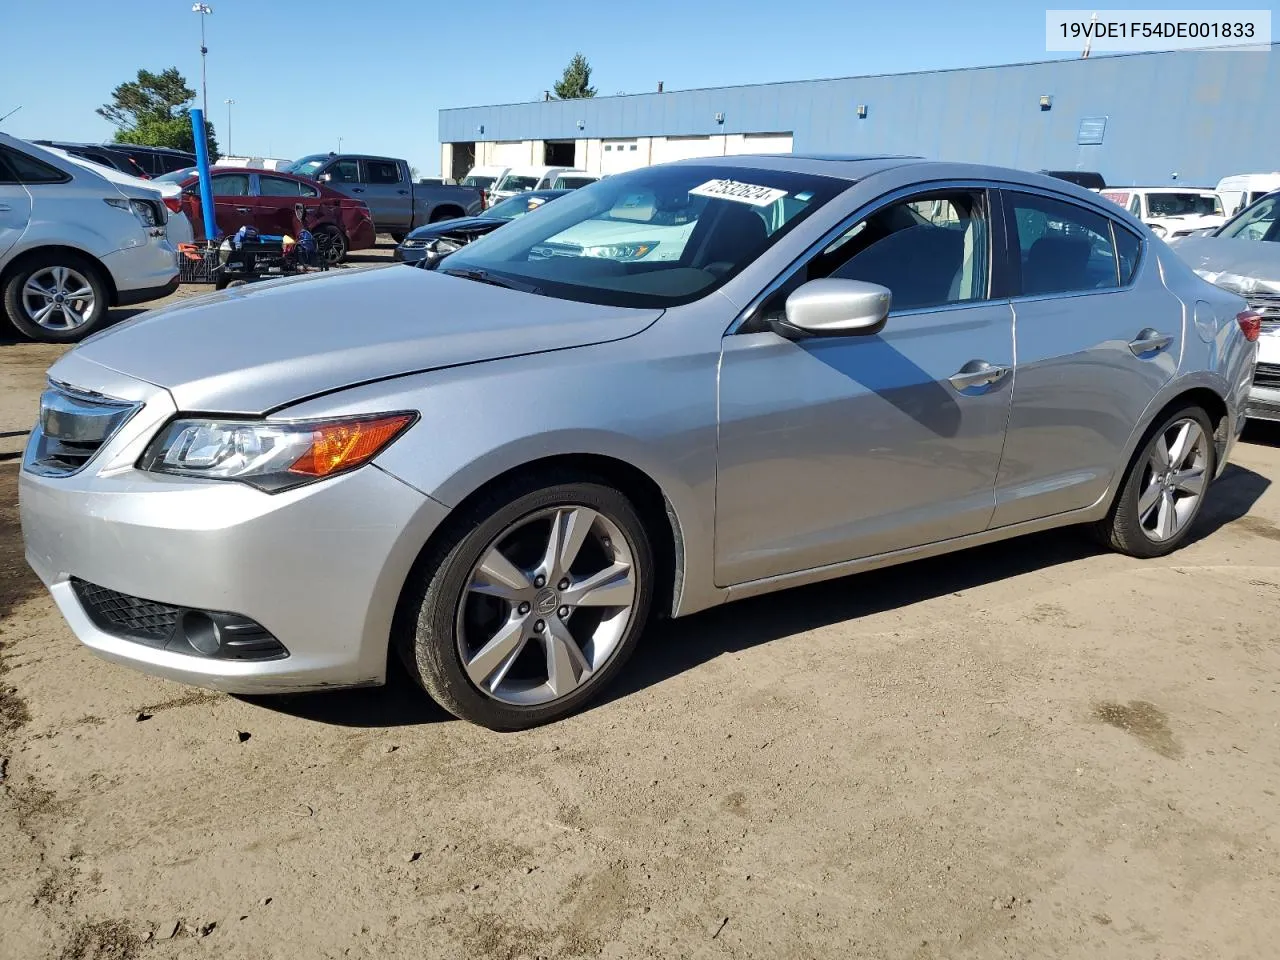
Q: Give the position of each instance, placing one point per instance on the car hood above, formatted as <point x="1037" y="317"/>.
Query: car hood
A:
<point x="1242" y="266"/>
<point x="432" y="230"/>
<point x="252" y="349"/>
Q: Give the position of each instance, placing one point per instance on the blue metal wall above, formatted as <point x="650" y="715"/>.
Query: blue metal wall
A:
<point x="1201" y="115"/>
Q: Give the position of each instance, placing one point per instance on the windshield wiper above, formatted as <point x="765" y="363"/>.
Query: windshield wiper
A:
<point x="484" y="276"/>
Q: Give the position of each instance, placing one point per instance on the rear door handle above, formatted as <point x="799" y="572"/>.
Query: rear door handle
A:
<point x="5" y="208"/>
<point x="244" y="209"/>
<point x="977" y="374"/>
<point x="402" y="192"/>
<point x="1149" y="341"/>
<point x="357" y="189"/>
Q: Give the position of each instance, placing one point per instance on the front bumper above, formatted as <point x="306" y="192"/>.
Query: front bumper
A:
<point x="408" y="254"/>
<point x="320" y="567"/>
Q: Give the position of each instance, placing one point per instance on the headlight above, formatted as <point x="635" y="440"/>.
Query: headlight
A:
<point x="1158" y="230"/>
<point x="621" y="251"/>
<point x="412" y="244"/>
<point x="272" y="456"/>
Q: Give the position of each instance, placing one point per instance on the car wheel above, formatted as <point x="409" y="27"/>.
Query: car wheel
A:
<point x="56" y="296"/>
<point x="532" y="605"/>
<point x="398" y="237"/>
<point x="1164" y="489"/>
<point x="332" y="243"/>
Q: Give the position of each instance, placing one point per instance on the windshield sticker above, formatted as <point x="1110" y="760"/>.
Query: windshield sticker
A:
<point x="751" y="193"/>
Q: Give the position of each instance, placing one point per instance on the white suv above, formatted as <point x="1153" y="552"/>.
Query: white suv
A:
<point x="73" y="244"/>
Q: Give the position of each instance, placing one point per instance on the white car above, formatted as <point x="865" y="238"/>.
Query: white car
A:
<point x="74" y="244"/>
<point x="178" y="224"/>
<point x="571" y="180"/>
<point x="523" y="179"/>
<point x="1242" y="189"/>
<point x="1171" y="211"/>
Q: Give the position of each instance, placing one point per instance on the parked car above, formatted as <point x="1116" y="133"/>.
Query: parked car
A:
<point x="573" y="179"/>
<point x="156" y="161"/>
<point x="501" y="470"/>
<point x="1084" y="178"/>
<point x="178" y="227"/>
<point x="253" y="163"/>
<point x="1171" y="211"/>
<point x="435" y="241"/>
<point x="105" y="155"/>
<point x="398" y="204"/>
<point x="484" y="177"/>
<point x="522" y="180"/>
<point x="73" y="244"/>
<point x="1243" y="256"/>
<point x="1242" y="189"/>
<point x="266" y="201"/>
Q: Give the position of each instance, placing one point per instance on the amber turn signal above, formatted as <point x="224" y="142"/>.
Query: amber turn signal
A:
<point x="344" y="445"/>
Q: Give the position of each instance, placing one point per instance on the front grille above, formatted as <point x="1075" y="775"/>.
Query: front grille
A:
<point x="202" y="633"/>
<point x="1267" y="375"/>
<point x="1268" y="305"/>
<point x="73" y="426"/>
<point x="124" y="616"/>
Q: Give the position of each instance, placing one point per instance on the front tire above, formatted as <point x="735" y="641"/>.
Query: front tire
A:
<point x="57" y="296"/>
<point x="1164" y="488"/>
<point x="531" y="604"/>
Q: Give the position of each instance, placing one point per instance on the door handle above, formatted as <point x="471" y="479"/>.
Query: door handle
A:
<point x="402" y="192"/>
<point x="357" y="189"/>
<point x="244" y="209"/>
<point x="1149" y="340"/>
<point x="975" y="374"/>
<point x="5" y="208"/>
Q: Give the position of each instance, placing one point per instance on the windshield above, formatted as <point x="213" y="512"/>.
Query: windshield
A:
<point x="1258" y="222"/>
<point x="1184" y="204"/>
<point x="177" y="176"/>
<point x="513" y="207"/>
<point x="307" y="166"/>
<point x="510" y="182"/>
<point x="482" y="182"/>
<point x="654" y="237"/>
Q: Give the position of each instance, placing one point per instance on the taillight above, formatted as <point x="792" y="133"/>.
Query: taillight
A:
<point x="174" y="204"/>
<point x="1250" y="324"/>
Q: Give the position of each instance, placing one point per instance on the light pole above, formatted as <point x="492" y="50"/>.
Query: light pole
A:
<point x="228" y="102"/>
<point x="339" y="144"/>
<point x="204" y="10"/>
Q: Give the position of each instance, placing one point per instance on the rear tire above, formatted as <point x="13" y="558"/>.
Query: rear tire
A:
<point x="57" y="296"/>
<point x="331" y="242"/>
<point x="451" y="611"/>
<point x="399" y="237"/>
<point x="439" y="215"/>
<point x="1164" y="488"/>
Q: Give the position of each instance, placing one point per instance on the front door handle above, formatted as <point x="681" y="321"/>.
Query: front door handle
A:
<point x="403" y="193"/>
<point x="244" y="209"/>
<point x="1149" y="341"/>
<point x="5" y="208"/>
<point x="357" y="189"/>
<point x="977" y="374"/>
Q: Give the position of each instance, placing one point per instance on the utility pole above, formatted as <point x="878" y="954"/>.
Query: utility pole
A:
<point x="204" y="10"/>
<point x="228" y="102"/>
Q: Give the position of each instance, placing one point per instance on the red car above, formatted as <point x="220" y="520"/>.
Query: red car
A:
<point x="265" y="200"/>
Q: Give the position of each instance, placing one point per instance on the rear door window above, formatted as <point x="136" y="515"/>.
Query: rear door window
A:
<point x="230" y="185"/>
<point x="381" y="171"/>
<point x="27" y="169"/>
<point x="1061" y="248"/>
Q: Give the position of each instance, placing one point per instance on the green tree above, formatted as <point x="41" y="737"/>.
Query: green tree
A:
<point x="155" y="111"/>
<point x="576" y="82"/>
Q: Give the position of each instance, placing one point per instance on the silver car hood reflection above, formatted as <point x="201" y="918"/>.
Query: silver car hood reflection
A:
<point x="255" y="348"/>
<point x="1246" y="267"/>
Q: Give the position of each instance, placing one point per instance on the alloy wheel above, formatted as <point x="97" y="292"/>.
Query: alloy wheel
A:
<point x="546" y="606"/>
<point x="1173" y="480"/>
<point x="59" y="298"/>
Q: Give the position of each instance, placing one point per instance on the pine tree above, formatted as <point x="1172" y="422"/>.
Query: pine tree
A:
<point x="576" y="82"/>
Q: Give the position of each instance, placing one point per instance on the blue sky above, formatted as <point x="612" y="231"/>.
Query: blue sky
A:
<point x="305" y="74"/>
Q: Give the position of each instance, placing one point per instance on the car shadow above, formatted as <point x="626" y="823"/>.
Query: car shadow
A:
<point x="9" y="334"/>
<point x="672" y="647"/>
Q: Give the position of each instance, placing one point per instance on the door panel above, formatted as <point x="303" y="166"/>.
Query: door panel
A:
<point x="15" y="212"/>
<point x="390" y="198"/>
<point x="275" y="201"/>
<point x="835" y="448"/>
<point x="1079" y="388"/>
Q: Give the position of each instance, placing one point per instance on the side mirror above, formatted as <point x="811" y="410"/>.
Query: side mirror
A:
<point x="325" y="177"/>
<point x="833" y="307"/>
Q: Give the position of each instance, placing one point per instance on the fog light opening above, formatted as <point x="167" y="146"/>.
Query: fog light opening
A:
<point x="202" y="633"/>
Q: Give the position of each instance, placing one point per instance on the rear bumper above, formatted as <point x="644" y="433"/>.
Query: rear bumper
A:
<point x="1263" y="403"/>
<point x="144" y="272"/>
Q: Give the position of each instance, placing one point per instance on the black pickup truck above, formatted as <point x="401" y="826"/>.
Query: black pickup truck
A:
<point x="396" y="203"/>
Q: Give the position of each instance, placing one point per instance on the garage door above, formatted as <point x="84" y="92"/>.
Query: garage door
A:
<point x="686" y="148"/>
<point x="510" y="153"/>
<point x="618" y="156"/>
<point x="760" y="143"/>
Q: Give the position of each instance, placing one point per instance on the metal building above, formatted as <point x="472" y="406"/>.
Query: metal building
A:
<point x="1188" y="117"/>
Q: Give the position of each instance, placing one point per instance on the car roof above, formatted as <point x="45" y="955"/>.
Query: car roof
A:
<point x="1162" y="189"/>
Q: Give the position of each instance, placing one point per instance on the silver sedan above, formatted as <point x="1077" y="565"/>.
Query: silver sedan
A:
<point x="673" y="388"/>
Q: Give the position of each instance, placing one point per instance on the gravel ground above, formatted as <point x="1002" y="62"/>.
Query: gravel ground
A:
<point x="1027" y="750"/>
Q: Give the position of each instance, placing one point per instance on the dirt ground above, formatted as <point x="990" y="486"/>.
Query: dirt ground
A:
<point x="1030" y="750"/>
